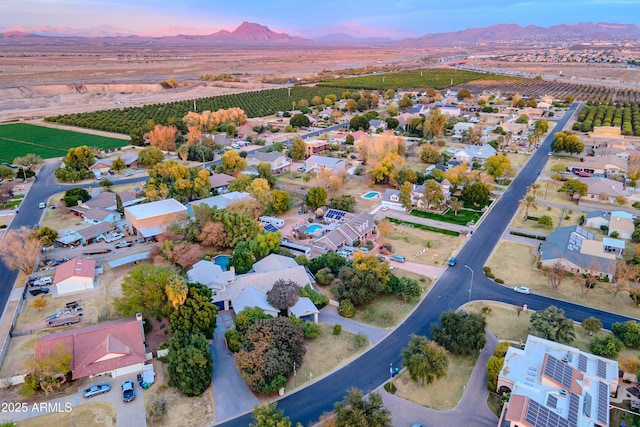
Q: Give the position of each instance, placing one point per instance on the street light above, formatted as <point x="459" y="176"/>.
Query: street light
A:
<point x="391" y="371"/>
<point x="470" y="283"/>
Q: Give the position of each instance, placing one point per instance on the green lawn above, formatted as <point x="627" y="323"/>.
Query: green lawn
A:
<point x="463" y="217"/>
<point x="425" y="227"/>
<point x="18" y="139"/>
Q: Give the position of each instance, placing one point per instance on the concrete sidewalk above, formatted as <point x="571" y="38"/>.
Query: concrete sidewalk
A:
<point x="472" y="410"/>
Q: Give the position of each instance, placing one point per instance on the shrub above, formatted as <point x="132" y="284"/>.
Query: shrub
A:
<point x="146" y="325"/>
<point x="311" y="330"/>
<point x="337" y="330"/>
<point x="234" y="339"/>
<point x="486" y="310"/>
<point x="346" y="309"/>
<point x="606" y="346"/>
<point x="360" y="341"/>
<point x="500" y="281"/>
<point x="318" y="299"/>
<point x="491" y="275"/>
<point x="486" y="269"/>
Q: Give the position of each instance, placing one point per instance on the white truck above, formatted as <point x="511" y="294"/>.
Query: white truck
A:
<point x="97" y="174"/>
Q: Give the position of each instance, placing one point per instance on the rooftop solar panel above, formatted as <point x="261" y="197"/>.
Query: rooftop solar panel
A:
<point x="586" y="406"/>
<point x="603" y="403"/>
<point x="270" y="228"/>
<point x="552" y="401"/>
<point x="582" y="363"/>
<point x="540" y="416"/>
<point x="558" y="371"/>
<point x="602" y="369"/>
<point x="574" y="408"/>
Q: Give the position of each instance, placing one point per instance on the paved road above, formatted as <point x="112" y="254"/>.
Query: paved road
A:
<point x="450" y="292"/>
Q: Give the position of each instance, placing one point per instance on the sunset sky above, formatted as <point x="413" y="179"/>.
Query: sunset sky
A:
<point x="398" y="18"/>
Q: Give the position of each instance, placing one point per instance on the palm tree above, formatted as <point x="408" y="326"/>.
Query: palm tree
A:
<point x="535" y="189"/>
<point x="456" y="205"/>
<point x="176" y="291"/>
<point x="424" y="359"/>
<point x="529" y="202"/>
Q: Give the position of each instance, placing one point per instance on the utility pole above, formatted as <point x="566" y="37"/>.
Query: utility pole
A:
<point x="470" y="283"/>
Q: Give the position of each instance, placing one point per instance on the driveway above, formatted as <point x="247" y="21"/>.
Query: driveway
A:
<point x="472" y="409"/>
<point x="430" y="271"/>
<point x="128" y="414"/>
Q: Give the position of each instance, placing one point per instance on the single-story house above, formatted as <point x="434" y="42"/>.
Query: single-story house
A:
<point x="334" y="164"/>
<point x="359" y="227"/>
<point x="391" y="199"/>
<point x="450" y="110"/>
<point x="576" y="250"/>
<point x="113" y="348"/>
<point x="514" y="128"/>
<point x="597" y="219"/>
<point x="74" y="276"/>
<point x="621" y="223"/>
<point x="95" y="232"/>
<point x="107" y="200"/>
<point x="375" y="124"/>
<point x="96" y="216"/>
<point x="220" y="182"/>
<point x="603" y="189"/>
<point x="150" y="219"/>
<point x="602" y="166"/>
<point x="531" y="112"/>
<point x="104" y="165"/>
<point x="553" y="384"/>
<point x="278" y="161"/>
<point x="473" y="153"/>
<point x="459" y="128"/>
<point x="220" y="201"/>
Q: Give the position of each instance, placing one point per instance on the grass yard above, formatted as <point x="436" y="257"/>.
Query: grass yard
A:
<point x="518" y="160"/>
<point x="463" y="217"/>
<point x="95" y="414"/>
<point x="444" y="393"/>
<point x="559" y="160"/>
<point x="18" y="139"/>
<point x="515" y="264"/>
<point x="388" y="310"/>
<point x="424" y="227"/>
<point x="438" y="78"/>
<point x="561" y="217"/>
<point x="410" y="242"/>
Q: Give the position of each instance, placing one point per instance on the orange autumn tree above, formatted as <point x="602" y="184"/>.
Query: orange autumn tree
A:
<point x="162" y="137"/>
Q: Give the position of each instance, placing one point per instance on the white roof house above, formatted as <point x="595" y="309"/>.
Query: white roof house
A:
<point x="554" y="385"/>
<point x="315" y="163"/>
<point x="305" y="309"/>
<point x="211" y="274"/>
<point x="475" y="153"/>
<point x="221" y="201"/>
<point x="151" y="219"/>
<point x="274" y="262"/>
<point x="251" y="297"/>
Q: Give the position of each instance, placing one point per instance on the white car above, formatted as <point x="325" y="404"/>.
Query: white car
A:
<point x="128" y="173"/>
<point x="42" y="205"/>
<point x="522" y="289"/>
<point x="113" y="237"/>
<point x="43" y="281"/>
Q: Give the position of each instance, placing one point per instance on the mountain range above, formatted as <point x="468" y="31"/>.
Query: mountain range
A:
<point x="252" y="33"/>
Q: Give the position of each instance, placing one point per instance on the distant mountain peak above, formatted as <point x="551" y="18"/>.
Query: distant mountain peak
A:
<point x="250" y="31"/>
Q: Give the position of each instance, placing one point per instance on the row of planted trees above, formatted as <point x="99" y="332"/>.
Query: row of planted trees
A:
<point x="626" y="116"/>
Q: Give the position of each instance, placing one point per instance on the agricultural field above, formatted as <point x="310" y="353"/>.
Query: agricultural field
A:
<point x="18" y="139"/>
<point x="437" y="78"/>
<point x="624" y="116"/>
<point x="255" y="104"/>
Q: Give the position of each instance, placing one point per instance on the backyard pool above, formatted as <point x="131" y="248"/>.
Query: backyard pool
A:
<point x="371" y="195"/>
<point x="313" y="228"/>
<point x="222" y="261"/>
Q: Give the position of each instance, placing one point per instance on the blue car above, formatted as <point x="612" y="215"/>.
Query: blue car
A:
<point x="128" y="393"/>
<point x="452" y="261"/>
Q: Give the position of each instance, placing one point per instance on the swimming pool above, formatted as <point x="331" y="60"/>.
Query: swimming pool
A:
<point x="371" y="195"/>
<point x="313" y="228"/>
<point x="222" y="261"/>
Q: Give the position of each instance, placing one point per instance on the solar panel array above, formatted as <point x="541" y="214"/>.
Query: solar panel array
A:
<point x="576" y="238"/>
<point x="558" y="371"/>
<point x="582" y="363"/>
<point x="269" y="228"/>
<point x="574" y="408"/>
<point x="586" y="406"/>
<point x="602" y="369"/>
<point x="603" y="406"/>
<point x="552" y="401"/>
<point x="335" y="214"/>
<point x="540" y="416"/>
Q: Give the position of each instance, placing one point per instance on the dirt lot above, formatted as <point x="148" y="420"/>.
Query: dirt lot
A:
<point x="561" y="218"/>
<point x="95" y="414"/>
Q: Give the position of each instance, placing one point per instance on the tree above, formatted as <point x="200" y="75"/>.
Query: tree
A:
<point x="555" y="274"/>
<point x="626" y="275"/>
<point x="29" y="160"/>
<point x="456" y="205"/>
<point x="424" y="359"/>
<point x="183" y="152"/>
<point x="523" y="119"/>
<point x="46" y="369"/>
<point x="163" y="137"/>
<point x="242" y="261"/>
<point x="357" y="411"/>
<point x="264" y="243"/>
<point x="434" y="124"/>
<point x="359" y="122"/>
<point x="497" y="165"/>
<point x="299" y="121"/>
<point x="232" y="162"/>
<point x="551" y="324"/>
<point x="545" y="221"/>
<point x="628" y="332"/>
<point x="406" y="191"/>
<point x="264" y="171"/>
<point x="591" y="325"/>
<point x="280" y="201"/>
<point x="345" y="202"/>
<point x="284" y="294"/>
<point x="213" y="234"/>
<point x="542" y="126"/>
<point x="150" y="156"/>
<point x="6" y="172"/>
<point x="460" y="333"/>
<point x="45" y="235"/>
<point x="196" y="314"/>
<point x="363" y="280"/>
<point x="429" y="153"/>
<point x="606" y="346"/>
<point x="331" y="260"/>
<point x="268" y="353"/>
<point x="408" y="289"/>
<point x="144" y="291"/>
<point x="464" y="94"/>
<point x="494" y="366"/>
<point x="567" y="142"/>
<point x="20" y="250"/>
<point x="266" y="415"/>
<point x="316" y="197"/>
<point x="118" y="164"/>
<point x="298" y="150"/>
<point x="190" y="365"/>
<point x="433" y="195"/>
<point x="476" y="194"/>
<point x="241" y="183"/>
<point x="73" y="195"/>
<point x="573" y="186"/>
<point x="176" y="291"/>
<point x="79" y="158"/>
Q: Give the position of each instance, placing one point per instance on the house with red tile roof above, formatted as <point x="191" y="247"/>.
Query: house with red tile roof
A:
<point x="112" y="348"/>
<point x="74" y="276"/>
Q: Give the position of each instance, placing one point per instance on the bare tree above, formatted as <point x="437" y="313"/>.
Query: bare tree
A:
<point x="555" y="274"/>
<point x="284" y="294"/>
<point x="20" y="250"/>
<point x="625" y="274"/>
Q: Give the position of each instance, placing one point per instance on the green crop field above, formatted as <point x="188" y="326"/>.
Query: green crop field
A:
<point x="437" y="78"/>
<point x="18" y="139"/>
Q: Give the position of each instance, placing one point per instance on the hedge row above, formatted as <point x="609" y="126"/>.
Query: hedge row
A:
<point x="532" y="236"/>
<point x="425" y="227"/>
